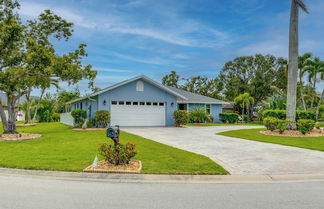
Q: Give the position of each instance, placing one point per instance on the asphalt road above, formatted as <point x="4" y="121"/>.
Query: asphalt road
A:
<point x="19" y="192"/>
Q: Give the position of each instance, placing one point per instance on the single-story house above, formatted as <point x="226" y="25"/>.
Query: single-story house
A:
<point x="229" y="107"/>
<point x="141" y="101"/>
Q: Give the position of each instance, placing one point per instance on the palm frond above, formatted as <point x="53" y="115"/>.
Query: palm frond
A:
<point x="302" y="5"/>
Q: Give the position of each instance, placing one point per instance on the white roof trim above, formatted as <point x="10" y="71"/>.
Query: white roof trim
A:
<point x="129" y="81"/>
<point x="199" y="102"/>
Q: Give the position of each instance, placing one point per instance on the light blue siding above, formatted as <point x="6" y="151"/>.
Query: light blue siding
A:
<point x="151" y="93"/>
<point x="214" y="111"/>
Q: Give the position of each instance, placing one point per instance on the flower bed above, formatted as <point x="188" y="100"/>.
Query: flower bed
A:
<point x="18" y="137"/>
<point x="134" y="166"/>
<point x="292" y="133"/>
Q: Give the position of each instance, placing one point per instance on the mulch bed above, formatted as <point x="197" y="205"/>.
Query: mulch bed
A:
<point x="134" y="166"/>
<point x="290" y="133"/>
<point x="18" y="137"/>
<point x="26" y="125"/>
<point x="89" y="129"/>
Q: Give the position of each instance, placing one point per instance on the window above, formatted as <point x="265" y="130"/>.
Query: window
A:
<point x="148" y="103"/>
<point x="135" y="103"/>
<point x="182" y="106"/>
<point x="113" y="102"/>
<point x="104" y="102"/>
<point x="128" y="103"/>
<point x="121" y="102"/>
<point x="208" y="108"/>
<point x="155" y="103"/>
<point x="161" y="104"/>
<point x="142" y="103"/>
<point x="139" y="86"/>
<point x="81" y="105"/>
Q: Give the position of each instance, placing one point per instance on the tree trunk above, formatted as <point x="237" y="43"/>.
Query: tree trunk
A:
<point x="319" y="105"/>
<point x="3" y="118"/>
<point x="302" y="93"/>
<point x="314" y="91"/>
<point x="243" y="113"/>
<point x="9" y="124"/>
<point x="28" y="116"/>
<point x="36" y="108"/>
<point x="293" y="65"/>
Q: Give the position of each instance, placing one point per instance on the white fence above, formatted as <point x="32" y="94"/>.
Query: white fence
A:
<point x="66" y="118"/>
<point x="20" y="115"/>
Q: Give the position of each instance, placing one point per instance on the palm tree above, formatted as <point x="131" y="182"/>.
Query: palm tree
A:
<point x="321" y="72"/>
<point x="245" y="101"/>
<point x="302" y="64"/>
<point x="293" y="60"/>
<point x="314" y="67"/>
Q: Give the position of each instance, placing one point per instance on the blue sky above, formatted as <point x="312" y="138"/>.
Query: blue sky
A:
<point x="193" y="37"/>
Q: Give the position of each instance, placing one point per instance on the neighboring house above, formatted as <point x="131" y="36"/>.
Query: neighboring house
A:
<point x="20" y="114"/>
<point x="229" y="107"/>
<point x="141" y="101"/>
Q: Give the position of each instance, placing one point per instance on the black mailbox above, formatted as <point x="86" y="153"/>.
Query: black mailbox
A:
<point x="113" y="133"/>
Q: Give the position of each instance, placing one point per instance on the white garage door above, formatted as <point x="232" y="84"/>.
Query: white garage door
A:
<point x="130" y="113"/>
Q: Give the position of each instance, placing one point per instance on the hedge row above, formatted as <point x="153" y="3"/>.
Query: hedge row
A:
<point x="281" y="114"/>
<point x="229" y="117"/>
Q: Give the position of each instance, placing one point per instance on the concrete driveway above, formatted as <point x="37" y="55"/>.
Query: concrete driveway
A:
<point x="238" y="156"/>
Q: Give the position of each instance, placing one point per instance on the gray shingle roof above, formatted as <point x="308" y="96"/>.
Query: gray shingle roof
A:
<point x="195" y="98"/>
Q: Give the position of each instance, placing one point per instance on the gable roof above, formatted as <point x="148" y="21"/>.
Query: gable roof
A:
<point x="154" y="83"/>
<point x="196" y="98"/>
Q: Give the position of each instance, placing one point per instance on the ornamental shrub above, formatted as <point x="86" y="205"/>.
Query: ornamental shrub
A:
<point x="79" y="116"/>
<point x="198" y="115"/>
<point x="270" y="123"/>
<point x="229" y="117"/>
<point x="281" y="114"/>
<point x="303" y="114"/>
<point x="102" y="118"/>
<point x="56" y="117"/>
<point x="118" y="154"/>
<point x="180" y="117"/>
<point x="211" y="119"/>
<point x="304" y="126"/>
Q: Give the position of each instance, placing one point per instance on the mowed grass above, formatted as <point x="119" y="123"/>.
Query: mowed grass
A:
<point x="61" y="148"/>
<point x="314" y="143"/>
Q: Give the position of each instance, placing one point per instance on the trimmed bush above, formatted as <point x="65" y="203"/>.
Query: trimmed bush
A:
<point x="229" y="117"/>
<point x="198" y="115"/>
<point x="79" y="117"/>
<point x="102" y="118"/>
<point x="270" y="123"/>
<point x="56" y="117"/>
<point x="118" y="154"/>
<point x="91" y="123"/>
<point x="281" y="114"/>
<point x="180" y="117"/>
<point x="302" y="114"/>
<point x="304" y="126"/>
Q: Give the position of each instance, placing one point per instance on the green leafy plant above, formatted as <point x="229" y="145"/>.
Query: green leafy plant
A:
<point x="281" y="114"/>
<point x="102" y="118"/>
<point x="282" y="125"/>
<point x="229" y="117"/>
<point x="79" y="116"/>
<point x="211" y="119"/>
<point x="305" y="126"/>
<point x="304" y="114"/>
<point x="270" y="123"/>
<point x="118" y="154"/>
<point x="56" y="117"/>
<point x="91" y="123"/>
<point x="198" y="115"/>
<point x="317" y="126"/>
<point x="180" y="117"/>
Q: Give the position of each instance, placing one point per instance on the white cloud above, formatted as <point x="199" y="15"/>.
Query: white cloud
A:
<point x="113" y="70"/>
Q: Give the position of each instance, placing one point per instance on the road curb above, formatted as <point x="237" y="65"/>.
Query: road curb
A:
<point x="161" y="178"/>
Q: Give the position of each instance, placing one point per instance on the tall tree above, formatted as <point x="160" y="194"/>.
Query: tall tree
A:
<point x="314" y="67"/>
<point x="293" y="60"/>
<point x="256" y="75"/>
<point x="28" y="58"/>
<point x="303" y="62"/>
<point x="171" y="79"/>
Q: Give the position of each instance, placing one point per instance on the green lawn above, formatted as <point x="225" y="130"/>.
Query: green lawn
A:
<point x="60" y="148"/>
<point x="315" y="143"/>
<point x="256" y="123"/>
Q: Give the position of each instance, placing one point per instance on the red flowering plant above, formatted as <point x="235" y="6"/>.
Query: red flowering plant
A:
<point x="117" y="154"/>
